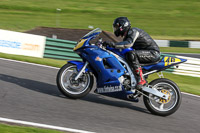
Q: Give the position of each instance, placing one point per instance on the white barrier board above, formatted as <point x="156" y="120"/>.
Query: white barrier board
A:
<point x="162" y="43"/>
<point x="22" y="43"/>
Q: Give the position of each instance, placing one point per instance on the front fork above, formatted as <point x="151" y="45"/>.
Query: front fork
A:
<point x="81" y="71"/>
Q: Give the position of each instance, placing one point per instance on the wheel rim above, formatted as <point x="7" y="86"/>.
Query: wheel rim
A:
<point x="162" y="104"/>
<point x="70" y="85"/>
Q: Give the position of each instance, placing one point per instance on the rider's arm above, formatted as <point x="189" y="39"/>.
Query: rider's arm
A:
<point x="129" y="40"/>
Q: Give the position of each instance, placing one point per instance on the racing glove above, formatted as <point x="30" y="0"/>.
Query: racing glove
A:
<point x="110" y="44"/>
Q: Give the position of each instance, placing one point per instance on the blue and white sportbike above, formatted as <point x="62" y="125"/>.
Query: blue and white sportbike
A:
<point x="114" y="77"/>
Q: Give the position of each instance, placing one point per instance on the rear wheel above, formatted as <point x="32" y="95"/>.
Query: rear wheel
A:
<point x="161" y="106"/>
<point x="69" y="86"/>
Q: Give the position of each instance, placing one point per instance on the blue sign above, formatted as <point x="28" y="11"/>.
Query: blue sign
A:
<point x="10" y="44"/>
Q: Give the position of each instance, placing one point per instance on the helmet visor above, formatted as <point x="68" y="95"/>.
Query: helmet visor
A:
<point x="115" y="28"/>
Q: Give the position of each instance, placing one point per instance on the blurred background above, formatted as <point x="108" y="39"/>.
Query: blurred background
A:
<point x="171" y="19"/>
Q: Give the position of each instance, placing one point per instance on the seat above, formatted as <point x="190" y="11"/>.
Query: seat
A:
<point x="147" y="64"/>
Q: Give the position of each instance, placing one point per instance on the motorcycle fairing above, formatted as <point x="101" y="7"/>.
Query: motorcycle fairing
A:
<point x="166" y="62"/>
<point x="124" y="94"/>
<point x="120" y="52"/>
<point x="106" y="65"/>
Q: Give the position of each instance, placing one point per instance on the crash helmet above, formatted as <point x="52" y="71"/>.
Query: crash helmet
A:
<point x="121" y="25"/>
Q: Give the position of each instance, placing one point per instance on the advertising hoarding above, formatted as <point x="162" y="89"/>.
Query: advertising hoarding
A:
<point x="22" y="43"/>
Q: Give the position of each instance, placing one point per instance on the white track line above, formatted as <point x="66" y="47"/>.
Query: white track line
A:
<point x="29" y="63"/>
<point x="59" y="68"/>
<point x="42" y="125"/>
<point x="190" y="94"/>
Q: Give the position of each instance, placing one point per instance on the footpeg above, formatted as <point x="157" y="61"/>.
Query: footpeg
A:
<point x="132" y="98"/>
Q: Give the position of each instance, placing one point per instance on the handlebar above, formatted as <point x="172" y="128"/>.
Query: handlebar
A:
<point x="99" y="42"/>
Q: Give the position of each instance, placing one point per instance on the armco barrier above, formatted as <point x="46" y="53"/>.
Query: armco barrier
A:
<point x="60" y="49"/>
<point x="63" y="49"/>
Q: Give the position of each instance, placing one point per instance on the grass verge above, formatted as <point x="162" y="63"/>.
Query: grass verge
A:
<point x="5" y="128"/>
<point x="42" y="61"/>
<point x="159" y="18"/>
<point x="186" y="83"/>
<point x="180" y="50"/>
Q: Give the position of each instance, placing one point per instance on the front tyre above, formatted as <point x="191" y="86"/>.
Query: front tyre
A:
<point x="69" y="86"/>
<point x="161" y="106"/>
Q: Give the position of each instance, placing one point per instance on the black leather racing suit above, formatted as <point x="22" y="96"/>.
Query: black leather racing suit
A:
<point x="146" y="49"/>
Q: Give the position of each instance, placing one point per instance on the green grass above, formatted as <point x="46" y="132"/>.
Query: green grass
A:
<point x="5" y="128"/>
<point x="180" y="50"/>
<point x="43" y="61"/>
<point x="177" y="19"/>
<point x="186" y="83"/>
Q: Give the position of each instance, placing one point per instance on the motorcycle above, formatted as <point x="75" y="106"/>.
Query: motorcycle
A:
<point x="114" y="77"/>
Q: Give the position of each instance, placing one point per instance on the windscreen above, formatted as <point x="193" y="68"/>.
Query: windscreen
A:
<point x="94" y="32"/>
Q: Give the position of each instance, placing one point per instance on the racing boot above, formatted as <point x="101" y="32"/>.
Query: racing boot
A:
<point x="141" y="82"/>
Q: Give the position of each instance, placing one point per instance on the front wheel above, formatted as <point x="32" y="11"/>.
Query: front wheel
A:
<point x="69" y="86"/>
<point x="161" y="106"/>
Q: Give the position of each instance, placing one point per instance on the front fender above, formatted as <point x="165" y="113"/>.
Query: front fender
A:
<point x="79" y="65"/>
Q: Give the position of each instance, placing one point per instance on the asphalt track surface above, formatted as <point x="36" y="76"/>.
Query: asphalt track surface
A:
<point x="29" y="93"/>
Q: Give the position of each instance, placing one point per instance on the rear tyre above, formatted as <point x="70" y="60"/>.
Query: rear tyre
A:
<point x="69" y="86"/>
<point x="161" y="106"/>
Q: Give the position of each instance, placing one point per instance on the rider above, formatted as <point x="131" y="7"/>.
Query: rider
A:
<point x="145" y="48"/>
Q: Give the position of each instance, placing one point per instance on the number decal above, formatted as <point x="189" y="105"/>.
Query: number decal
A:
<point x="170" y="60"/>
